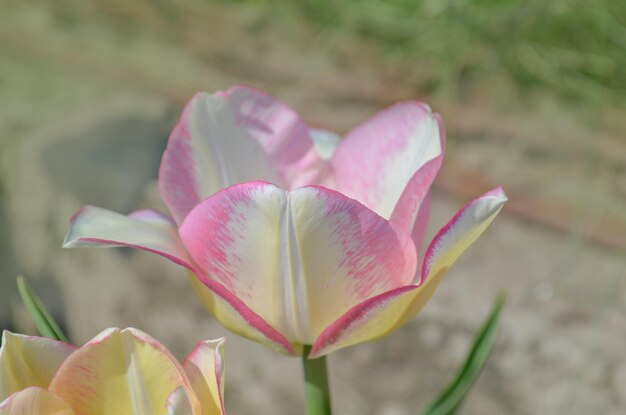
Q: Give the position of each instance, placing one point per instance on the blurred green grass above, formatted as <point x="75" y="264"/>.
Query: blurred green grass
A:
<point x="574" y="49"/>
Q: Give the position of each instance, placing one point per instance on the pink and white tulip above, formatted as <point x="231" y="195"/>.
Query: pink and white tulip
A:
<point x="118" y="372"/>
<point x="295" y="237"/>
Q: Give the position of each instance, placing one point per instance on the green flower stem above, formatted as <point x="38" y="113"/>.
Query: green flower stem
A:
<point x="317" y="393"/>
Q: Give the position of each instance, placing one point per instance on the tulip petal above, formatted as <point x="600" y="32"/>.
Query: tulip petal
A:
<point x="465" y="227"/>
<point x="205" y="368"/>
<point x="298" y="259"/>
<point x="146" y="229"/>
<point x="232" y="313"/>
<point x="179" y="403"/>
<point x="35" y="401"/>
<point x="408" y="206"/>
<point x="29" y="361"/>
<point x="421" y="224"/>
<point x="120" y="372"/>
<point x="378" y="316"/>
<point x="324" y="142"/>
<point x="377" y="160"/>
<point x="460" y="232"/>
<point x="226" y="138"/>
<point x="369" y="320"/>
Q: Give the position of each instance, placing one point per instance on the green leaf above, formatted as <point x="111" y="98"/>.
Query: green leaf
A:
<point x="450" y="399"/>
<point x="44" y="322"/>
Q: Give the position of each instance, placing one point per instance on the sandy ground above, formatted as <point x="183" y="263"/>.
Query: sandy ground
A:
<point x="84" y="117"/>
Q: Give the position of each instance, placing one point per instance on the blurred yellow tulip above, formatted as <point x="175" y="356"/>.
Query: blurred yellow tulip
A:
<point x="117" y="372"/>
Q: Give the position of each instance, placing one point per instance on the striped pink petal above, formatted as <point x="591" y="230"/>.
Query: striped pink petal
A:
<point x="379" y="315"/>
<point x="146" y="229"/>
<point x="231" y="137"/>
<point x="421" y="224"/>
<point x="298" y="259"/>
<point x="378" y="160"/>
<point x="371" y="319"/>
<point x="235" y="315"/>
<point x="409" y="205"/>
<point x="460" y="232"/>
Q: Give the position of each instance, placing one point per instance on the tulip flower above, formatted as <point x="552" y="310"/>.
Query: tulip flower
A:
<point x="118" y="372"/>
<point x="295" y="238"/>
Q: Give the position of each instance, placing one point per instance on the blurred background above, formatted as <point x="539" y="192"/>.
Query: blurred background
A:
<point x="533" y="95"/>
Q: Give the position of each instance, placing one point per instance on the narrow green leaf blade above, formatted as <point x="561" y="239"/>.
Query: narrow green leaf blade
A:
<point x="44" y="322"/>
<point x="450" y="399"/>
